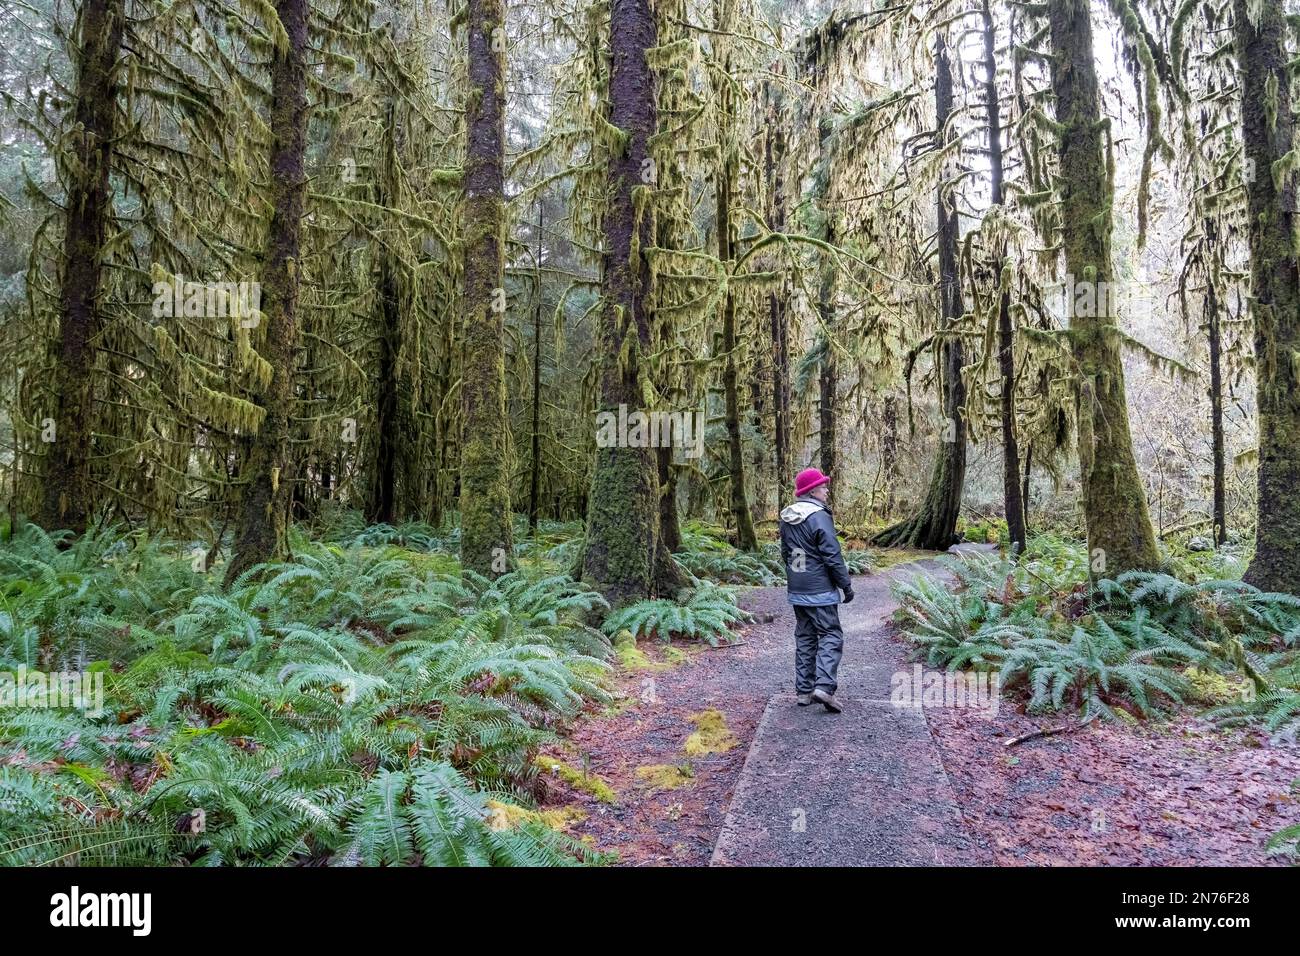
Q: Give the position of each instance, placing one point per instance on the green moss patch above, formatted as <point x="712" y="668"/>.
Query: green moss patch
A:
<point x="664" y="776"/>
<point x="507" y="816"/>
<point x="586" y="783"/>
<point x="712" y="735"/>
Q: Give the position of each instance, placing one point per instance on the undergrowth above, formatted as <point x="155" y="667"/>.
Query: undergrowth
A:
<point x="364" y="703"/>
<point x="352" y="706"/>
<point x="1119" y="645"/>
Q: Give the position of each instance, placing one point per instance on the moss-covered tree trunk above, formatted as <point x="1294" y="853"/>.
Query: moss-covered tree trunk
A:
<point x="827" y="373"/>
<point x="1012" y="501"/>
<point x="774" y="150"/>
<point x="535" y="459"/>
<point x="934" y="526"/>
<point x="670" y="529"/>
<point x="746" y="539"/>
<point x="889" y="450"/>
<point x="1268" y="135"/>
<point x="261" y="531"/>
<point x="485" y="543"/>
<point x="383" y="489"/>
<point x="382" y="503"/>
<point x="622" y="554"/>
<point x="1214" y="330"/>
<point x="1120" y="537"/>
<point x="724" y="190"/>
<point x="827" y="378"/>
<point x="1024" y="489"/>
<point x="67" y="490"/>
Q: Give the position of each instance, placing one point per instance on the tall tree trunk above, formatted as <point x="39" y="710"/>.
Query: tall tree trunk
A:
<point x="827" y="382"/>
<point x="728" y="166"/>
<point x="382" y="504"/>
<point x="383" y="496"/>
<point x="935" y="526"/>
<point x="1024" y="494"/>
<point x="827" y="377"/>
<point x="746" y="539"/>
<point x="622" y="554"/>
<point x="1215" y="331"/>
<point x="670" y="531"/>
<point x="264" y="504"/>
<point x="1120" y="537"/>
<point x="774" y="151"/>
<point x="1268" y="135"/>
<point x="1012" y="501"/>
<point x="67" y="489"/>
<point x="760" y="390"/>
<point x="779" y="315"/>
<point x="485" y="538"/>
<point x="535" y="478"/>
<point x="889" y="450"/>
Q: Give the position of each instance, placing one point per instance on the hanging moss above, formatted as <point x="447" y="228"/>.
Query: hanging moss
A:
<point x="1120" y="536"/>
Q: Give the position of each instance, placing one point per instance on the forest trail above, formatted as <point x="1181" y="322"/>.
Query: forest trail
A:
<point x="862" y="788"/>
<point x="877" y="785"/>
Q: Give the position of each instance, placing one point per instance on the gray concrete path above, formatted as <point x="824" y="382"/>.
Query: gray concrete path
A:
<point x="862" y="788"/>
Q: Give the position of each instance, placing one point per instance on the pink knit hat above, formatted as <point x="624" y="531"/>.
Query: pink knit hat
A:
<point x="807" y="480"/>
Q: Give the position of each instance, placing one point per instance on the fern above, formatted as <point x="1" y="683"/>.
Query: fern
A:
<point x="705" y="612"/>
<point x="280" y="711"/>
<point x="1122" y="644"/>
<point x="432" y="816"/>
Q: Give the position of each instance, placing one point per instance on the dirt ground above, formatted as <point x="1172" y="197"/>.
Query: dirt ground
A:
<point x="1172" y="793"/>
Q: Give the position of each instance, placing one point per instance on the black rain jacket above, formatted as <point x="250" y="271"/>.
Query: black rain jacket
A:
<point x="810" y="550"/>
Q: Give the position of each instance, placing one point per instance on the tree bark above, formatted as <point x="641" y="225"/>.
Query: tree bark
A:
<point x="828" y="374"/>
<point x="1024" y="495"/>
<point x="1268" y="135"/>
<point x="889" y="450"/>
<point x="382" y="504"/>
<point x="535" y="477"/>
<point x="66" y="500"/>
<point x="1215" y="332"/>
<point x="1012" y="501"/>
<point x="778" y="300"/>
<point x="670" y="531"/>
<point x="827" y="383"/>
<point x="1120" y="537"/>
<point x="728" y="165"/>
<point x="934" y="526"/>
<point x="622" y="554"/>
<point x="486" y="545"/>
<point x="264" y="504"/>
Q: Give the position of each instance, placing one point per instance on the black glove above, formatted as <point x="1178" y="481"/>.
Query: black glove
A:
<point x="848" y="595"/>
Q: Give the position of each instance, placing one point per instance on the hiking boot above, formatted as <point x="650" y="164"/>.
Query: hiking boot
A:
<point x="827" y="700"/>
<point x="803" y="700"/>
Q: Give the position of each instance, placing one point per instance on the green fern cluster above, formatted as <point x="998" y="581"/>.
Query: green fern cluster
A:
<point x="704" y="612"/>
<point x="860" y="560"/>
<point x="1205" y="562"/>
<point x="349" y="707"/>
<point x="1041" y="626"/>
<point x="726" y="565"/>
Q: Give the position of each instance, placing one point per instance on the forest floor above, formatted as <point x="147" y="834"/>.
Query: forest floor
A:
<point x="708" y="759"/>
